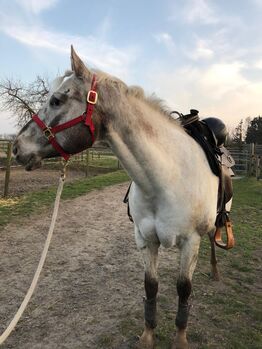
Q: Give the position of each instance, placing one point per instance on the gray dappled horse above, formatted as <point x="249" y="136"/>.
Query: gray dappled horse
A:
<point x="173" y="197"/>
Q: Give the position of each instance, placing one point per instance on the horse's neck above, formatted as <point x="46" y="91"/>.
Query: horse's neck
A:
<point x="147" y="144"/>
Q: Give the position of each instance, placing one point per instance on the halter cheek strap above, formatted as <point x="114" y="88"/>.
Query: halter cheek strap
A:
<point x="49" y="132"/>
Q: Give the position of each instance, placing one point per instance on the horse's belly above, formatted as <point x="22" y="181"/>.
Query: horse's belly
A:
<point x="150" y="230"/>
<point x="170" y="218"/>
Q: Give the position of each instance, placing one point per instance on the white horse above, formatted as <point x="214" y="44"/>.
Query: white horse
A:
<point x="173" y="198"/>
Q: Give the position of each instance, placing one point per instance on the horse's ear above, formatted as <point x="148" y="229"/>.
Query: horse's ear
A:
<point x="78" y="66"/>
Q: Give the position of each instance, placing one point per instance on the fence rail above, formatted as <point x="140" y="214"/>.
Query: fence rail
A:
<point x="247" y="158"/>
<point x="93" y="160"/>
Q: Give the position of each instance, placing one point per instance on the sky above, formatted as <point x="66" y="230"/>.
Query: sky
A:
<point x="201" y="54"/>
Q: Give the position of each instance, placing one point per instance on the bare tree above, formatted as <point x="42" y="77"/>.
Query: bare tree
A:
<point x="21" y="99"/>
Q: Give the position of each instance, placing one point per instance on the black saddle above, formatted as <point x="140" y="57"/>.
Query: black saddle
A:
<point x="211" y="133"/>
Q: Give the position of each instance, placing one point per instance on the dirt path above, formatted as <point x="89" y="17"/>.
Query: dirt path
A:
<point x="92" y="278"/>
<point x="22" y="182"/>
<point x="90" y="291"/>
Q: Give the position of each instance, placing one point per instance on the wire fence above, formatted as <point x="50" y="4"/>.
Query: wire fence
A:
<point x="95" y="159"/>
<point x="88" y="163"/>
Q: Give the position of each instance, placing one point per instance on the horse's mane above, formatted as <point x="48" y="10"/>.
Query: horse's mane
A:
<point x="152" y="100"/>
<point x="155" y="102"/>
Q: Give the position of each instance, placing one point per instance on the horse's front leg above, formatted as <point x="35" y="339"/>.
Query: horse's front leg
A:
<point x="189" y="252"/>
<point x="150" y="256"/>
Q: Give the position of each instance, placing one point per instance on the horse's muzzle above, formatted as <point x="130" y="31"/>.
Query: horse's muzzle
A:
<point x="30" y="162"/>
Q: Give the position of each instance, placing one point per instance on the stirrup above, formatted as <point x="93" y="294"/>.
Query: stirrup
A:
<point x="230" y="236"/>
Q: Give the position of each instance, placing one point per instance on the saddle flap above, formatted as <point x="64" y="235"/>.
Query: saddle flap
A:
<point x="226" y="158"/>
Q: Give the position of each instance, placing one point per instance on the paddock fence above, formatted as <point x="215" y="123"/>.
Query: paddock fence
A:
<point x="95" y="160"/>
<point x="100" y="158"/>
<point x="248" y="159"/>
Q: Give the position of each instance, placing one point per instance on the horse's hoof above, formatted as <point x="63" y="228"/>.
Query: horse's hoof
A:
<point x="180" y="341"/>
<point x="180" y="345"/>
<point x="147" y="340"/>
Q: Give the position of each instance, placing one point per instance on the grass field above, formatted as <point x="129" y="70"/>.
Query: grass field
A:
<point x="225" y="314"/>
<point x="13" y="208"/>
<point x="230" y="311"/>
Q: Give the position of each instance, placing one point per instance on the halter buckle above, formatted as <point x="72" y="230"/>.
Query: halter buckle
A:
<point x="92" y="97"/>
<point x="48" y="133"/>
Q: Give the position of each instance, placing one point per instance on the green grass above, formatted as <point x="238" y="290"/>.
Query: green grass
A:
<point x="32" y="202"/>
<point x="225" y="315"/>
<point x="103" y="161"/>
<point x="234" y="305"/>
<point x="79" y="163"/>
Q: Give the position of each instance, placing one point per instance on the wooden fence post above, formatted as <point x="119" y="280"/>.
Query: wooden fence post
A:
<point x="8" y="168"/>
<point x="87" y="163"/>
<point x="252" y="166"/>
<point x="258" y="168"/>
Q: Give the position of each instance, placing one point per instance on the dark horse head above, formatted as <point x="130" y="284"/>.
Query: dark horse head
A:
<point x="66" y="100"/>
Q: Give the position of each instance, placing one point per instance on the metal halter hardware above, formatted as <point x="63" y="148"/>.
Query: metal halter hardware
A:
<point x="49" y="132"/>
<point x="90" y="96"/>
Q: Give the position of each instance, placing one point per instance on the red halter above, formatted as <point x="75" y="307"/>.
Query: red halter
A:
<point x="49" y="132"/>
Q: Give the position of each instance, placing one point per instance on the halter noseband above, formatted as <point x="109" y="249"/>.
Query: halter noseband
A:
<point x="49" y="132"/>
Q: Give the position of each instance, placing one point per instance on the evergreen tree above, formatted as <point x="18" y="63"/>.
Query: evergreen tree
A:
<point x="254" y="131"/>
<point x="237" y="135"/>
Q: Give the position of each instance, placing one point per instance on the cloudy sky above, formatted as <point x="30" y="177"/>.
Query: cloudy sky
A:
<point x="203" y="54"/>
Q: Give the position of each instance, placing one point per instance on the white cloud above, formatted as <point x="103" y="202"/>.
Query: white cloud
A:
<point x="218" y="90"/>
<point x="258" y="64"/>
<point x="167" y="40"/>
<point x="104" y="27"/>
<point x="36" y="6"/>
<point x="199" y="11"/>
<point x="96" y="52"/>
<point x="201" y="51"/>
<point x="223" y="78"/>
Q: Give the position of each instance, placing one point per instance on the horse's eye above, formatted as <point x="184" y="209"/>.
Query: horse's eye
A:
<point x="58" y="99"/>
<point x="54" y="102"/>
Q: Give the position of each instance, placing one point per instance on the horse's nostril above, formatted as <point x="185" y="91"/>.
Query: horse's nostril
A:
<point x="15" y="147"/>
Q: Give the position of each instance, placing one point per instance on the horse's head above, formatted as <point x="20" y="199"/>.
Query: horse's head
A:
<point x="66" y="100"/>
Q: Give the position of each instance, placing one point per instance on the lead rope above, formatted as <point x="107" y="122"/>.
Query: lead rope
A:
<point x="32" y="287"/>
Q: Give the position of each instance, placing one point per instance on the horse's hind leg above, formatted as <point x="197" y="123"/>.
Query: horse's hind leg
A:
<point x="189" y="252"/>
<point x="150" y="256"/>
<point x="213" y="259"/>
